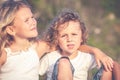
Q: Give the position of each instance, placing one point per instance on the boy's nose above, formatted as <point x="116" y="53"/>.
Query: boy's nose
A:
<point x="69" y="38"/>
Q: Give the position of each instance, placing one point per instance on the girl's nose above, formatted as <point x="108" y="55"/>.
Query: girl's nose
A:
<point x="33" y="21"/>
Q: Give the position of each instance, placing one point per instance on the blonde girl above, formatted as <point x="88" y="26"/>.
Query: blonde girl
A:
<point x="19" y="49"/>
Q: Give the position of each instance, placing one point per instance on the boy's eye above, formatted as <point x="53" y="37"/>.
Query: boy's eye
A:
<point x="74" y="34"/>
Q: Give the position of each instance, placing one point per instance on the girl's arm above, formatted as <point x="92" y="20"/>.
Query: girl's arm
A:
<point x="100" y="56"/>
<point x="42" y="48"/>
<point x="3" y="58"/>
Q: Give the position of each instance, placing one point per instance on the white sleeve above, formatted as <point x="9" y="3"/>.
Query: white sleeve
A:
<point x="92" y="62"/>
<point x="44" y="64"/>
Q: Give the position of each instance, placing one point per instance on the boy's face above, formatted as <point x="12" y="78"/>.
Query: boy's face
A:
<point x="70" y="37"/>
<point x="25" y="26"/>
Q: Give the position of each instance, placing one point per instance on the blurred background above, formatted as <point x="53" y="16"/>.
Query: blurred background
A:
<point x="102" y="19"/>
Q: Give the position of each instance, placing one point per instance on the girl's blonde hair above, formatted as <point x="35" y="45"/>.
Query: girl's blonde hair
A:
<point x="7" y="15"/>
<point x="65" y="16"/>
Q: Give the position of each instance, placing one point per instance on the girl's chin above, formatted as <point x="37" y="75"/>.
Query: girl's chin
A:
<point x="33" y="36"/>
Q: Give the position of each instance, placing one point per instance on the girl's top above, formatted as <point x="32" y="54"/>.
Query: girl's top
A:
<point x="82" y="63"/>
<point x="21" y="65"/>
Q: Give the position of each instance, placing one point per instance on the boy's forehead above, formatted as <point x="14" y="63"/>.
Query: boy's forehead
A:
<point x="68" y="24"/>
<point x="71" y="27"/>
<point x="63" y="26"/>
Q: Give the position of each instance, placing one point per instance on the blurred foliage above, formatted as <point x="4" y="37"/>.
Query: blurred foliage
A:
<point x="107" y="5"/>
<point x="111" y="6"/>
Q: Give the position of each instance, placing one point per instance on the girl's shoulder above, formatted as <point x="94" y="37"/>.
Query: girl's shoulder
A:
<point x="42" y="47"/>
<point x="3" y="58"/>
<point x="41" y="44"/>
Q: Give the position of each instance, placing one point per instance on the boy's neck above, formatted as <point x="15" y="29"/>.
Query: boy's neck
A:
<point x="70" y="55"/>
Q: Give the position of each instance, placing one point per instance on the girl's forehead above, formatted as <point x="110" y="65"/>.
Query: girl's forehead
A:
<point x="23" y="12"/>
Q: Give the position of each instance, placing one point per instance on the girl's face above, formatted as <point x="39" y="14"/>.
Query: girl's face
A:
<point x="69" y="38"/>
<point x="25" y="26"/>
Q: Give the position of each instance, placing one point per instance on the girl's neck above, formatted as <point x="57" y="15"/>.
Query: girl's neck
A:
<point x="20" y="45"/>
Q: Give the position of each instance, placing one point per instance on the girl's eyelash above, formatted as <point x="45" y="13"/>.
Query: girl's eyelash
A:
<point x="26" y="20"/>
<point x="32" y="17"/>
<point x="63" y="36"/>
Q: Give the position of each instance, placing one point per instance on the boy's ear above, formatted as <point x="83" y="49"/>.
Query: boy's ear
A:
<point x="10" y="30"/>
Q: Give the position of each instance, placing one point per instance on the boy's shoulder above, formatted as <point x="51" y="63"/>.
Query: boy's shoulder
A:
<point x="84" y="54"/>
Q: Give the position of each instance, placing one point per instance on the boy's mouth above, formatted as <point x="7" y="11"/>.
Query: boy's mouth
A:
<point x="70" y="46"/>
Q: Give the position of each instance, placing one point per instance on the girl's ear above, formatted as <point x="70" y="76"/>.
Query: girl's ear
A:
<point x="10" y="30"/>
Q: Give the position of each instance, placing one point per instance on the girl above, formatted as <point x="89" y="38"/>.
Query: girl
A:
<point x="20" y="50"/>
<point x="67" y="32"/>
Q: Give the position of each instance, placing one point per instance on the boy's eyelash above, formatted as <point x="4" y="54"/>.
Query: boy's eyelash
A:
<point x="74" y="34"/>
<point x="65" y="35"/>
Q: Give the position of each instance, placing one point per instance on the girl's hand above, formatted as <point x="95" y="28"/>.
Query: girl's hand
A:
<point x="102" y="58"/>
<point x="99" y="56"/>
<point x="106" y="61"/>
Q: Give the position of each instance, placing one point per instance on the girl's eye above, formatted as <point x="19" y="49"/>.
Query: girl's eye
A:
<point x="29" y="19"/>
<point x="33" y="17"/>
<point x="26" y="20"/>
<point x="63" y="35"/>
